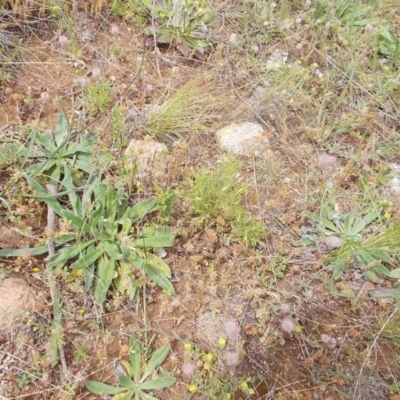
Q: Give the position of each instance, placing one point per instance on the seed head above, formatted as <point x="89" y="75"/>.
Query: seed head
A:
<point x="288" y="325"/>
<point x="232" y="330"/>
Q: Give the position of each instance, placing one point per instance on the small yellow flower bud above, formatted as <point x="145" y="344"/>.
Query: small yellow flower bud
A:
<point x="209" y="357"/>
<point x="192" y="388"/>
<point x="82" y="311"/>
<point x="187" y="346"/>
<point x="221" y="342"/>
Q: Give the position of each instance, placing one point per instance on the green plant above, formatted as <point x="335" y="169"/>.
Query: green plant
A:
<point x="25" y="379"/>
<point x="134" y="10"/>
<point x="119" y="129"/>
<point x="98" y="96"/>
<point x="390" y="44"/>
<point x="355" y="242"/>
<point x="207" y="378"/>
<point x="184" y="24"/>
<point x="63" y="153"/>
<point x="190" y="109"/>
<point x="136" y="383"/>
<point x="219" y="193"/>
<point x="109" y="239"/>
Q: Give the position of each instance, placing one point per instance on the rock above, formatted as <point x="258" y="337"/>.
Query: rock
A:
<point x="16" y="298"/>
<point x="244" y="139"/>
<point x="149" y="155"/>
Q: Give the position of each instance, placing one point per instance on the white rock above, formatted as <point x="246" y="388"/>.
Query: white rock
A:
<point x="395" y="181"/>
<point x="245" y="139"/>
<point x="16" y="298"/>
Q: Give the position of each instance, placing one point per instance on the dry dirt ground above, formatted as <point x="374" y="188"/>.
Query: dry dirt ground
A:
<point x="331" y="355"/>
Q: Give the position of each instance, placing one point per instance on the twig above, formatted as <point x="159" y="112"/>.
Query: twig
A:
<point x="53" y="189"/>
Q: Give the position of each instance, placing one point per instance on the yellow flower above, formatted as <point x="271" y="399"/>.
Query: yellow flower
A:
<point x="298" y="329"/>
<point x="192" y="388"/>
<point x="187" y="346"/>
<point x="228" y="396"/>
<point x="82" y="311"/>
<point x="244" y="385"/>
<point x="388" y="215"/>
<point x="221" y="342"/>
<point x="209" y="357"/>
<point x="35" y="269"/>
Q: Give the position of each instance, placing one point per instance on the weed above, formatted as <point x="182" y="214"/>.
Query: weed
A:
<point x="218" y="193"/>
<point x="119" y="129"/>
<point x="133" y="10"/>
<point x="189" y="110"/>
<point x="211" y="373"/>
<point x="135" y="384"/>
<point x="81" y="354"/>
<point x="355" y="242"/>
<point x="183" y="24"/>
<point x="98" y="96"/>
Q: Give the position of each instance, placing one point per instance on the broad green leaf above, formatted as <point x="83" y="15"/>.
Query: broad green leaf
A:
<point x="88" y="259"/>
<point x="127" y="382"/>
<point x="67" y="253"/>
<point x="158" y="383"/>
<point x="112" y="250"/>
<point x="46" y="140"/>
<point x="74" y="199"/>
<point x="381" y="269"/>
<point x="337" y="270"/>
<point x="321" y="220"/>
<point x="304" y="242"/>
<point x="35" y="251"/>
<point x="156" y="359"/>
<point x="104" y="275"/>
<point x="62" y="131"/>
<point x="50" y="201"/>
<point x="103" y="388"/>
<point x="135" y="356"/>
<point x="138" y="262"/>
<point x="125" y="251"/>
<point x="381" y="255"/>
<point x="159" y="264"/>
<point x="154" y="241"/>
<point x="395" y="273"/>
<point x="111" y="204"/>
<point x="370" y="274"/>
<point x="77" y="222"/>
<point x="372" y="216"/>
<point x="140" y="209"/>
<point x="160" y="279"/>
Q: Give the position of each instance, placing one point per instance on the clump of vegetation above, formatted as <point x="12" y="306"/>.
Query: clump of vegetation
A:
<point x="354" y="241"/>
<point x="190" y="110"/>
<point x="219" y="193"/>
<point x="183" y="24"/>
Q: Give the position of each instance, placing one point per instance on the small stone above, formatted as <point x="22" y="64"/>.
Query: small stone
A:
<point x="16" y="298"/>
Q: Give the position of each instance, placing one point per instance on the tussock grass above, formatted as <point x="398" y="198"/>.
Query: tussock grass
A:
<point x="191" y="109"/>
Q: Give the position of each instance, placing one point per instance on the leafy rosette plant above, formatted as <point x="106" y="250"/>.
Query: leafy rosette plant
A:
<point x="136" y="383"/>
<point x="110" y="243"/>
<point x="183" y="24"/>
